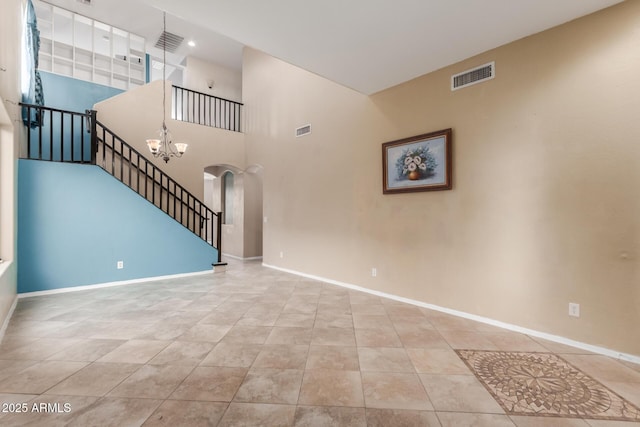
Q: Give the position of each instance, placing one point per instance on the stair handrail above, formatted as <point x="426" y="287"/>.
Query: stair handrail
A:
<point x="89" y="124"/>
<point x="163" y="175"/>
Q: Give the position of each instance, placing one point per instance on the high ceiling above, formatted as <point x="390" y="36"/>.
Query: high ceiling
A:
<point x="367" y="45"/>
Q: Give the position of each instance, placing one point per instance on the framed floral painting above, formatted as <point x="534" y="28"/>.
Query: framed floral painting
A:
<point x="418" y="163"/>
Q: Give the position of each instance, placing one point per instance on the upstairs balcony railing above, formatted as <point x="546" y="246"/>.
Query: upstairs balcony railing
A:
<point x="204" y="109"/>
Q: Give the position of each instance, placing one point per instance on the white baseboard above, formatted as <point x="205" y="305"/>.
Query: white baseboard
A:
<point x="109" y="284"/>
<point x="255" y="258"/>
<point x="549" y="337"/>
<point x="7" y="319"/>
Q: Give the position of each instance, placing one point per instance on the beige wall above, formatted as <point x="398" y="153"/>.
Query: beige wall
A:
<point x="233" y="233"/>
<point x="227" y="82"/>
<point x="544" y="208"/>
<point x="10" y="42"/>
<point x="252" y="245"/>
<point x="207" y="145"/>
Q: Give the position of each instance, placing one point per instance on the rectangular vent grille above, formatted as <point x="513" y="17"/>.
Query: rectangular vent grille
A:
<point x="303" y="130"/>
<point x="173" y="41"/>
<point x="473" y="76"/>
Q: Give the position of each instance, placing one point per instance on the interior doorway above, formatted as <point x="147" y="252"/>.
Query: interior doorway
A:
<point x="238" y="195"/>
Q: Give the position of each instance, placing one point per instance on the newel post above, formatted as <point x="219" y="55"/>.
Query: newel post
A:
<point x="219" y="236"/>
<point x="94" y="135"/>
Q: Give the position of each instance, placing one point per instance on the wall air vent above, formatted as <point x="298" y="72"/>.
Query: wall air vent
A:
<point x="173" y="41"/>
<point x="473" y="76"/>
<point x="303" y="130"/>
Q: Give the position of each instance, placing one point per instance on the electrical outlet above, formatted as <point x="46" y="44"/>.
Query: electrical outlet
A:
<point x="120" y="265"/>
<point x="374" y="272"/>
<point x="574" y="309"/>
<point x="281" y="254"/>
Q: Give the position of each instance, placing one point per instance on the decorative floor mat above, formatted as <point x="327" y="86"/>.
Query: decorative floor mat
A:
<point x="543" y="384"/>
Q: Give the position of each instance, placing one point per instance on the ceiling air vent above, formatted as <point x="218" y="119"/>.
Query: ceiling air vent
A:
<point x="303" y="130"/>
<point x="172" y="41"/>
<point x="473" y="76"/>
<point x="87" y="2"/>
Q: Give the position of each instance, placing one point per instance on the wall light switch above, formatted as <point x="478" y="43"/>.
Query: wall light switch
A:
<point x="120" y="265"/>
<point x="281" y="254"/>
<point x="374" y="272"/>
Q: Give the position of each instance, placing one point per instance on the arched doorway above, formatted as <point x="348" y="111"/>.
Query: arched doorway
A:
<point x="238" y="195"/>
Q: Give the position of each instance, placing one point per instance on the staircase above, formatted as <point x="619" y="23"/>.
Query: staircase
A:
<point x="73" y="137"/>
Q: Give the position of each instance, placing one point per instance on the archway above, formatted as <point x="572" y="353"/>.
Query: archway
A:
<point x="238" y="195"/>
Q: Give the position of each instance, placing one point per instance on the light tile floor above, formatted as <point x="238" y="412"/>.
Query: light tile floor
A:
<point x="254" y="346"/>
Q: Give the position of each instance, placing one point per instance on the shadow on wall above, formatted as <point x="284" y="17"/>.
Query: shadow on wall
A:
<point x="238" y="194"/>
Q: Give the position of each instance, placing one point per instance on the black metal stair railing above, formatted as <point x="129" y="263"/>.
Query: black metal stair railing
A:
<point x="67" y="136"/>
<point x="204" y="109"/>
<point x="62" y="136"/>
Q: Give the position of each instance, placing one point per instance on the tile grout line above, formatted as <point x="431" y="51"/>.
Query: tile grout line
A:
<point x="503" y="325"/>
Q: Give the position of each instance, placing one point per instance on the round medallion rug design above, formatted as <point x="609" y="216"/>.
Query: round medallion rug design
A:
<point x="545" y="384"/>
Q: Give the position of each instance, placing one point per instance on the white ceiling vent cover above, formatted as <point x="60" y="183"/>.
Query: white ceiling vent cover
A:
<point x="169" y="41"/>
<point x="473" y="76"/>
<point x="303" y="130"/>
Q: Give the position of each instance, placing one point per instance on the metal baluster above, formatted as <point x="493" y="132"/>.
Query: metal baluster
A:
<point x="219" y="236"/>
<point x="29" y="136"/>
<point x="94" y="138"/>
<point x="153" y="184"/>
<point x="174" y="200"/>
<point x="194" y="223"/>
<point x="146" y="178"/>
<point x="174" y="105"/>
<point x="82" y="138"/>
<point x="182" y="104"/>
<point x="209" y="115"/>
<point x="219" y="111"/>
<point x="199" y="100"/>
<point x="121" y="157"/>
<point x="188" y="206"/>
<point x="73" y="137"/>
<point x="161" y="188"/>
<point x="104" y="149"/>
<point x="61" y="136"/>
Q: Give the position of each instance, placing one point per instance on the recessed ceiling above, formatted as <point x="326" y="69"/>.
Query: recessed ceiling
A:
<point x="367" y="45"/>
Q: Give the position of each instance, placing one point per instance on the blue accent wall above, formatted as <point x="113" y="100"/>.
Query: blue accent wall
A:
<point x="68" y="94"/>
<point x="72" y="94"/>
<point x="76" y="222"/>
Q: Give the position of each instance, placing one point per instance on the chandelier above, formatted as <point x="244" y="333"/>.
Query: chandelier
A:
<point x="164" y="147"/>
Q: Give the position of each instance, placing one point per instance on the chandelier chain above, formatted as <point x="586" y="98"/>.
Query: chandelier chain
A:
<point x="163" y="147"/>
<point x="164" y="70"/>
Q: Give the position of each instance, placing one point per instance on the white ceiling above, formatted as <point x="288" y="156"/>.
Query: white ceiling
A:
<point x="368" y="45"/>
